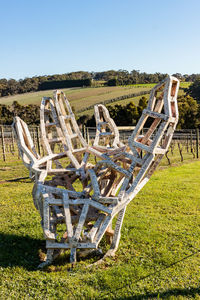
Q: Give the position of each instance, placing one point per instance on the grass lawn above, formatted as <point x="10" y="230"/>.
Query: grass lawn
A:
<point x="158" y="255"/>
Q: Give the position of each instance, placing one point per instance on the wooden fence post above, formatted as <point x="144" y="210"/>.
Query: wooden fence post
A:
<point x="197" y="142"/>
<point x="3" y="143"/>
<point x="187" y="147"/>
<point x="191" y="148"/>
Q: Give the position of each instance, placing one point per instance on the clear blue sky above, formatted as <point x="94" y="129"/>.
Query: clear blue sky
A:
<point x="43" y="37"/>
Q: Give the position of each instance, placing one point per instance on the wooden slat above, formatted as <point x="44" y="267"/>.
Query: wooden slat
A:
<point x="80" y="150"/>
<point x="102" y="229"/>
<point x="81" y="222"/>
<point x="67" y="117"/>
<point x="50" y="124"/>
<point x="56" y="140"/>
<point x="93" y="230"/>
<point x="153" y="114"/>
<point x="72" y="136"/>
<point x="94" y="182"/>
<point x="67" y="214"/>
<point x="50" y="245"/>
<point x="142" y="146"/>
<point x="111" y="164"/>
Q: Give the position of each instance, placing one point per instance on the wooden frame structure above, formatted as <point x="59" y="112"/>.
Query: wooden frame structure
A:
<point x="108" y="173"/>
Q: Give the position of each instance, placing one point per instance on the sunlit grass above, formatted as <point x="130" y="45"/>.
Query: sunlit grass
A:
<point x="158" y="253"/>
<point x="78" y="97"/>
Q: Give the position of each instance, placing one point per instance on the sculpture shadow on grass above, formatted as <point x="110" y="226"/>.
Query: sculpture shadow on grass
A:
<point x="24" y="251"/>
<point x="21" y="251"/>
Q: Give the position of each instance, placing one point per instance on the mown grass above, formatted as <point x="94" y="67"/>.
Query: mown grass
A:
<point x="158" y="255"/>
<point x="135" y="100"/>
<point x="78" y="97"/>
<point x="81" y="98"/>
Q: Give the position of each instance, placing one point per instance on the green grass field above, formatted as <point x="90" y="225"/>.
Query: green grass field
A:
<point x="81" y="98"/>
<point x="135" y="100"/>
<point x="158" y="255"/>
<point x="77" y="96"/>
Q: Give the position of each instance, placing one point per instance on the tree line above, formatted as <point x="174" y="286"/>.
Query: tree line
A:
<point x="13" y="87"/>
<point x="129" y="114"/>
<point x="83" y="78"/>
<point x="28" y="113"/>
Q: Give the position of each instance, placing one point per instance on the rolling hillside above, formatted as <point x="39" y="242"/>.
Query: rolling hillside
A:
<point x="81" y="98"/>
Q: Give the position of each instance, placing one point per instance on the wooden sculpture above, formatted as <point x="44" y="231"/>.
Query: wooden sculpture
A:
<point x="107" y="174"/>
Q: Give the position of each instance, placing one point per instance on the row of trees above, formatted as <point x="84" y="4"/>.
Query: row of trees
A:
<point x="194" y="90"/>
<point x="29" y="113"/>
<point x="129" y="114"/>
<point x="82" y="78"/>
<point x="123" y="115"/>
<point x="12" y="86"/>
<point x="136" y="76"/>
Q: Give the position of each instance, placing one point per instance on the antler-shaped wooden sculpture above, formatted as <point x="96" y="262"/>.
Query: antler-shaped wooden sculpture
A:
<point x="106" y="187"/>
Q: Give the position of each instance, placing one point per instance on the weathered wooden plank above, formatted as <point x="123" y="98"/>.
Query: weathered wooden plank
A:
<point x="111" y="164"/>
<point x="46" y="219"/>
<point x="91" y="234"/>
<point x="51" y="245"/>
<point x="94" y="182"/>
<point x="106" y="200"/>
<point x="118" y="226"/>
<point x="67" y="214"/>
<point x="58" y="191"/>
<point x="56" y="140"/>
<point x="154" y="114"/>
<point x="102" y="229"/>
<point x="72" y="255"/>
<point x="81" y="222"/>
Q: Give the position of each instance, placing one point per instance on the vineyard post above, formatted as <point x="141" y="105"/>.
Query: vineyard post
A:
<point x="141" y="153"/>
<point x="191" y="148"/>
<point x="3" y="143"/>
<point x="187" y="143"/>
<point x="197" y="141"/>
